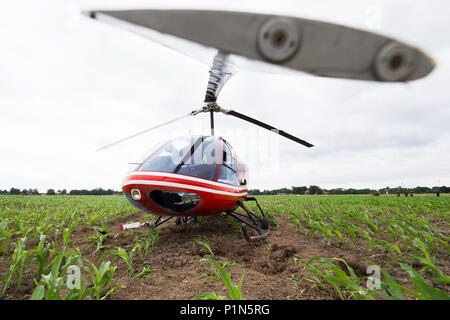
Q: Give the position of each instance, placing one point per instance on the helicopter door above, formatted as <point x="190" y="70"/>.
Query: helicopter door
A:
<point x="227" y="168"/>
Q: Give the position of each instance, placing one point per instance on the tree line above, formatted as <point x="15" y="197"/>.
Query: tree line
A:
<point x="52" y="192"/>
<point x="313" y="189"/>
<point x="318" y="190"/>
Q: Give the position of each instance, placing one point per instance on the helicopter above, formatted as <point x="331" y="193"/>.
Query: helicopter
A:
<point x="194" y="176"/>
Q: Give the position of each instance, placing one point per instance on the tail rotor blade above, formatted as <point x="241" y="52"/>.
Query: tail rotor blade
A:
<point x="268" y="127"/>
<point x="144" y="131"/>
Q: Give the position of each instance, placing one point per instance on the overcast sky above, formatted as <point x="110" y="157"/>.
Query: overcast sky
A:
<point x="69" y="85"/>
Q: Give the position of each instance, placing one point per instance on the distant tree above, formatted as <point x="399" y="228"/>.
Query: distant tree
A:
<point x="299" y="190"/>
<point x="14" y="191"/>
<point x="419" y="189"/>
<point x="284" y="191"/>
<point x="315" y="190"/>
<point x="63" y="192"/>
<point x="24" y="192"/>
<point x="51" y="192"/>
<point x="254" y="192"/>
<point x="93" y="192"/>
<point x="337" y="191"/>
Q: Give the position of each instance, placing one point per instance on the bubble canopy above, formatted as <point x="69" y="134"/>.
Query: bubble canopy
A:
<point x="205" y="157"/>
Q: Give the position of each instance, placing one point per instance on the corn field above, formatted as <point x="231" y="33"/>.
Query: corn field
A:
<point x="38" y="250"/>
<point x="407" y="231"/>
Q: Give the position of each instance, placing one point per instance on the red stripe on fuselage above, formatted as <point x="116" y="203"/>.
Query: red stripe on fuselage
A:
<point x="182" y="180"/>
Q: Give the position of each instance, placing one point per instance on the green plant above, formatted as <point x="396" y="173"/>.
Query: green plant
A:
<point x="21" y="260"/>
<point x="423" y="256"/>
<point x="222" y="275"/>
<point x="146" y="270"/>
<point x="424" y="290"/>
<point x="144" y="245"/>
<point x="101" y="278"/>
<point x="42" y="253"/>
<point x="206" y="245"/>
<point x="125" y="256"/>
<point x="345" y="286"/>
<point x="49" y="287"/>
<point x="209" y="296"/>
<point x="98" y="239"/>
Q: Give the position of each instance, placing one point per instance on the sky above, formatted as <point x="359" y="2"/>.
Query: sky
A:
<point x="70" y="85"/>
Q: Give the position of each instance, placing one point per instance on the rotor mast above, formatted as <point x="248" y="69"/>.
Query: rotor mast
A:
<point x="211" y="119"/>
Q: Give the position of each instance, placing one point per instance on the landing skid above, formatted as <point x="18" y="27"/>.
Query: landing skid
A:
<point x="252" y="220"/>
<point x="256" y="223"/>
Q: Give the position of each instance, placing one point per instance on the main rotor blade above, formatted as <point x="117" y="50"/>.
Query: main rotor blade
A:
<point x="142" y="132"/>
<point x="319" y="48"/>
<point x="268" y="127"/>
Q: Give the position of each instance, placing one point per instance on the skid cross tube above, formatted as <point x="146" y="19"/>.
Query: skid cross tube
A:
<point x="179" y="220"/>
<point x="185" y="220"/>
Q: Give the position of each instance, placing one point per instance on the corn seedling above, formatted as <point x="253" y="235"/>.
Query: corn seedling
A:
<point x="222" y="275"/>
<point x="143" y="246"/>
<point x="21" y="259"/>
<point x="98" y="239"/>
<point x="42" y="253"/>
<point x="209" y="296"/>
<point x="345" y="286"/>
<point x="125" y="256"/>
<point x="50" y="285"/>
<point x="424" y="290"/>
<point x="206" y="245"/>
<point x="101" y="278"/>
<point x="146" y="270"/>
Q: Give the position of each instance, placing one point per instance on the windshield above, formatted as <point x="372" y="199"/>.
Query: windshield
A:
<point x="132" y="166"/>
<point x="193" y="156"/>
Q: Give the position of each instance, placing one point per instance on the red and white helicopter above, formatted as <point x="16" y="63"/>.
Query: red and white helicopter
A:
<point x="201" y="175"/>
<point x="192" y="176"/>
